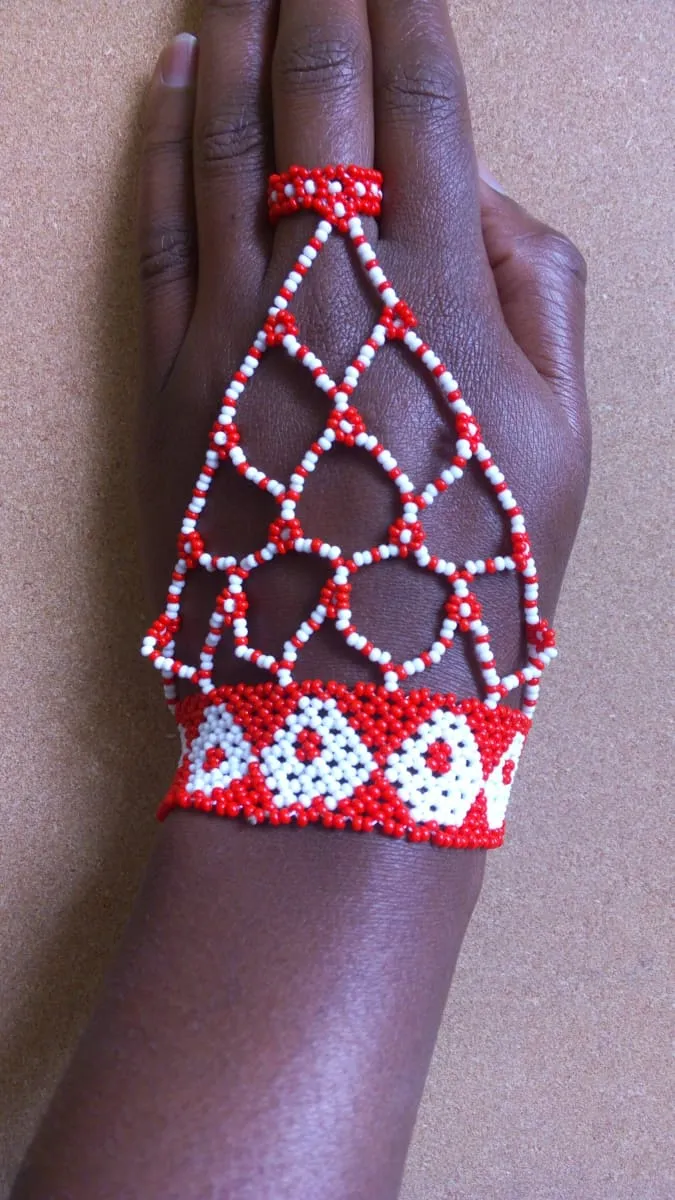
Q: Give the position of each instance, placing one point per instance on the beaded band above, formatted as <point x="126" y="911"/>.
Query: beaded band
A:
<point x="412" y="764"/>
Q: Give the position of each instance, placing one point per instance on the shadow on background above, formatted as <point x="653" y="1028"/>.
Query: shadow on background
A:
<point x="125" y="733"/>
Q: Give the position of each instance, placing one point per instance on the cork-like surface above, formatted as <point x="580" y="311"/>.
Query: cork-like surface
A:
<point x="550" y="1076"/>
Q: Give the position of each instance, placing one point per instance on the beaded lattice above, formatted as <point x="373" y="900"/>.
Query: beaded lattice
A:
<point x="319" y="757"/>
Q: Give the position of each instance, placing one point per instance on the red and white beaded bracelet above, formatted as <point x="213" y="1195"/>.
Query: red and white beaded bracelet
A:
<point x="412" y="764"/>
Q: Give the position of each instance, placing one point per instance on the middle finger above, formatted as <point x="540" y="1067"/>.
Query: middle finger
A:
<point x="322" y="84"/>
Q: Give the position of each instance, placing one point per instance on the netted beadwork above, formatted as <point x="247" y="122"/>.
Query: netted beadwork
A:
<point x="286" y="778"/>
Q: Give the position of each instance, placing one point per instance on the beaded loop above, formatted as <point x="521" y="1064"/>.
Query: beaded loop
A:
<point x="332" y="756"/>
<point x="336" y="194"/>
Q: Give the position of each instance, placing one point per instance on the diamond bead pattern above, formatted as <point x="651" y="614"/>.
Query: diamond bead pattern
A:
<point x="414" y="765"/>
<point x="340" y="764"/>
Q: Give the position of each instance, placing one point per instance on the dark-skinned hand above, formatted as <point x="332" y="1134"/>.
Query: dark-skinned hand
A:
<point x="498" y="294"/>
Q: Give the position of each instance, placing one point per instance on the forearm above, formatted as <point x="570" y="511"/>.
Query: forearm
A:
<point x="268" y="1025"/>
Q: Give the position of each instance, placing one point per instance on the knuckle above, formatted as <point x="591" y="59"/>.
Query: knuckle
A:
<point x="230" y="139"/>
<point x="430" y="88"/>
<point x="167" y="254"/>
<point x="159" y="146"/>
<point x="325" y="61"/>
<point x="554" y="251"/>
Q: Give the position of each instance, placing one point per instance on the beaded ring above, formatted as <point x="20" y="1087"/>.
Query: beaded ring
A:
<point x="412" y="764"/>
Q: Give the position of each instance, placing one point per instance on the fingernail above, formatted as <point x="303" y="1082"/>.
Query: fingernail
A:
<point x="178" y="61"/>
<point x="486" y="174"/>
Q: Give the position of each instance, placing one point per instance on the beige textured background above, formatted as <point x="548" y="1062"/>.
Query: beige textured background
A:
<point x="550" y="1077"/>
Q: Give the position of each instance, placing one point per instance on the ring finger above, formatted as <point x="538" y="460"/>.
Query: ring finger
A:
<point x="233" y="141"/>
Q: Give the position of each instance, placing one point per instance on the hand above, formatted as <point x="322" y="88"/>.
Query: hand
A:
<point x="499" y="296"/>
<point x="293" y="986"/>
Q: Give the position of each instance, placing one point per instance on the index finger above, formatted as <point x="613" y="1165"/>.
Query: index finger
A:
<point x="422" y="126"/>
